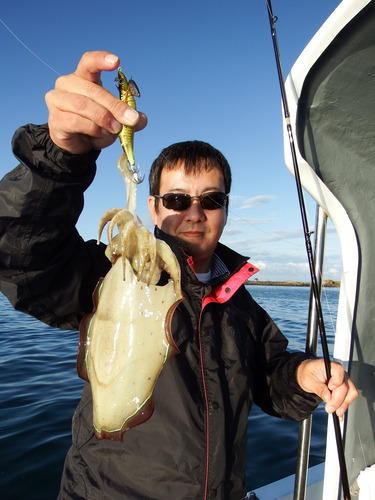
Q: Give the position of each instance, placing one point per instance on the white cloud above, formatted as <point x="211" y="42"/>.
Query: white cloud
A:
<point x="256" y="201"/>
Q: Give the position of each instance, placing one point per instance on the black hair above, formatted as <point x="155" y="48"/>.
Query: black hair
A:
<point x="195" y="155"/>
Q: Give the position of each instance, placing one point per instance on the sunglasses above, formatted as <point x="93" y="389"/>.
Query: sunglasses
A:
<point x="182" y="201"/>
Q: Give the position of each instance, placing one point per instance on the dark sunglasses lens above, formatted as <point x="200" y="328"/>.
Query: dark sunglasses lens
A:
<point x="178" y="202"/>
<point x="182" y="201"/>
<point x="212" y="201"/>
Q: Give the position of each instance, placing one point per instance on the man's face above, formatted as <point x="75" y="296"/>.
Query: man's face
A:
<point x="197" y="228"/>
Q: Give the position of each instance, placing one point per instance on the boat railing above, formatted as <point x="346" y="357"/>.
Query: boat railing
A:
<point x="311" y="348"/>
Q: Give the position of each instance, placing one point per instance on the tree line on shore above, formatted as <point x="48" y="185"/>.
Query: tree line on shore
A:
<point x="325" y="283"/>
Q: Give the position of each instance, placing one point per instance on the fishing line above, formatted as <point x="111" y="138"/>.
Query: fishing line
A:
<point x="274" y="237"/>
<point x="28" y="48"/>
<point x="242" y="219"/>
<point x="314" y="283"/>
<point x="328" y="305"/>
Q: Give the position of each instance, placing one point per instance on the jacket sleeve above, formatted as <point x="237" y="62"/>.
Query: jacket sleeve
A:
<point x="46" y="269"/>
<point x="276" y="389"/>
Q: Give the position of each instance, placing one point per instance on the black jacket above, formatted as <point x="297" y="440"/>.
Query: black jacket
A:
<point x="231" y="352"/>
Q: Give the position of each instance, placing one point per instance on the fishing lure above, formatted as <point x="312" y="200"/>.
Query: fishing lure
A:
<point x="128" y="90"/>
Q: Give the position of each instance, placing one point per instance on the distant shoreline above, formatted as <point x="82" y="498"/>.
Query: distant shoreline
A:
<point x="326" y="283"/>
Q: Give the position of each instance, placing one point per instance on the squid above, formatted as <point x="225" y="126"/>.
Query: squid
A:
<point x="126" y="340"/>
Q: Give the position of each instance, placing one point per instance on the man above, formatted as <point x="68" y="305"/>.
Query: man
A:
<point x="231" y="353"/>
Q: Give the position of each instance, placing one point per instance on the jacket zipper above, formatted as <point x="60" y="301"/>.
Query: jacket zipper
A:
<point x="225" y="293"/>
<point x="207" y="423"/>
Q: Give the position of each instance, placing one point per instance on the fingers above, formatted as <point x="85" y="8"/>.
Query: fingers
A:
<point x="77" y="134"/>
<point x="338" y="393"/>
<point x="93" y="63"/>
<point x="82" y="114"/>
<point x="341" y="400"/>
<point x="72" y="104"/>
<point x="96" y="98"/>
<point x="86" y="81"/>
<point x="343" y="391"/>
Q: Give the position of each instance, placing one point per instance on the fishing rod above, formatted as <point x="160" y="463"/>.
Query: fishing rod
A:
<point x="309" y="251"/>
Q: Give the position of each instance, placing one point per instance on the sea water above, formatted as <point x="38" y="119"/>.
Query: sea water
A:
<point x="39" y="390"/>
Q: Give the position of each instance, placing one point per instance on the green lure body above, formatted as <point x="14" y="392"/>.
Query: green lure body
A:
<point x="128" y="90"/>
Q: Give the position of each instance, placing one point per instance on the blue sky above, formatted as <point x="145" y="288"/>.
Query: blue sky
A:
<point x="206" y="70"/>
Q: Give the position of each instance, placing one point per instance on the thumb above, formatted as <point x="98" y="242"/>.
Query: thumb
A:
<point x="93" y="63"/>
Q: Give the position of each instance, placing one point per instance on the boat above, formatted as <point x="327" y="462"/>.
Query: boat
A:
<point x="330" y="92"/>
